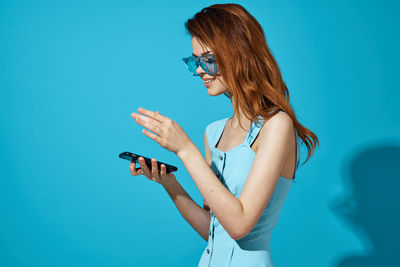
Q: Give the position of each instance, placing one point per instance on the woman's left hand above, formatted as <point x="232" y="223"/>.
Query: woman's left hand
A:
<point x="169" y="134"/>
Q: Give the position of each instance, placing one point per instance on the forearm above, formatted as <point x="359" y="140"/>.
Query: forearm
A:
<point x="196" y="216"/>
<point x="227" y="208"/>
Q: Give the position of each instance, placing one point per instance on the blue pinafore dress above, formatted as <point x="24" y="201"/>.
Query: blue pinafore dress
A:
<point x="232" y="168"/>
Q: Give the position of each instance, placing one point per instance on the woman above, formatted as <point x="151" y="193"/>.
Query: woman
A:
<point x="247" y="172"/>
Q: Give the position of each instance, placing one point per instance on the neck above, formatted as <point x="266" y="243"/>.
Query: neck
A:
<point x="234" y="121"/>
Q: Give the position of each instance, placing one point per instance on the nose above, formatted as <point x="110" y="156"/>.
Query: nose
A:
<point x="200" y="70"/>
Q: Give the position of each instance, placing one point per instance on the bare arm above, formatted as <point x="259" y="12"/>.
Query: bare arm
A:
<point x="196" y="216"/>
<point x="239" y="215"/>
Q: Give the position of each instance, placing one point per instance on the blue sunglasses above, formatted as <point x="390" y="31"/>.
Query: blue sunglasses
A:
<point x="207" y="63"/>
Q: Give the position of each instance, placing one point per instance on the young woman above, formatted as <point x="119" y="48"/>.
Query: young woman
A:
<point x="247" y="171"/>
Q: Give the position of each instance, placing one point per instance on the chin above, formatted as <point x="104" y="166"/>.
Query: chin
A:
<point x="212" y="92"/>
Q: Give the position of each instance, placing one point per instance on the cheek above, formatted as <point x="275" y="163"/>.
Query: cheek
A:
<point x="220" y="83"/>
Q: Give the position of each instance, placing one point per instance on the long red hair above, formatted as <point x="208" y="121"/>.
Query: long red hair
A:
<point x="244" y="60"/>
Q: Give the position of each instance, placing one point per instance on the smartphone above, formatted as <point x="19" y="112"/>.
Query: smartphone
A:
<point x="132" y="156"/>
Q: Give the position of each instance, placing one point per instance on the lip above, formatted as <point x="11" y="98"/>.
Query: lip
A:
<point x="209" y="83"/>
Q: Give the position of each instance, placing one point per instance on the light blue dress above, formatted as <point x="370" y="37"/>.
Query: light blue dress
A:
<point x="232" y="168"/>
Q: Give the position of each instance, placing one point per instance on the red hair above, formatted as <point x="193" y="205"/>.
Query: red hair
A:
<point x="244" y="60"/>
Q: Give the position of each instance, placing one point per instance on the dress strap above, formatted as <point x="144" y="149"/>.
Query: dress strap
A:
<point x="214" y="131"/>
<point x="254" y="130"/>
<point x="297" y="151"/>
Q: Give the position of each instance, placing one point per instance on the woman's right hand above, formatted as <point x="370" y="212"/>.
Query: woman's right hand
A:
<point x="161" y="177"/>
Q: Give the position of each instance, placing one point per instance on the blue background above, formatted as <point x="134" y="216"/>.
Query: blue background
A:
<point x="72" y="72"/>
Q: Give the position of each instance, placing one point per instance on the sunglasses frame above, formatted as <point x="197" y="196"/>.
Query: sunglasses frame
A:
<point x="200" y="61"/>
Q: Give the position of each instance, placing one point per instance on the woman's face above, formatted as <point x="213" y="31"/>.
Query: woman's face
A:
<point x="217" y="85"/>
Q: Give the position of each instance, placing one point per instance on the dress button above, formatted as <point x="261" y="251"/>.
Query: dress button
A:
<point x="209" y="232"/>
<point x="220" y="157"/>
<point x="208" y="251"/>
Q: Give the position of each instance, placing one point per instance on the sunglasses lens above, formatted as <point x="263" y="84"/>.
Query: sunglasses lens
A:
<point x="208" y="64"/>
<point x="211" y="65"/>
<point x="191" y="64"/>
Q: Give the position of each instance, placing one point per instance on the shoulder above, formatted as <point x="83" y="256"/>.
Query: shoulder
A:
<point x="277" y="129"/>
<point x="279" y="120"/>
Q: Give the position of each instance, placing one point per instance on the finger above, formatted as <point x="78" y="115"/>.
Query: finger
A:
<point x="163" y="170"/>
<point x="132" y="168"/>
<point x="156" y="115"/>
<point x="134" y="171"/>
<point x="154" y="127"/>
<point x="154" y="168"/>
<point x="138" y="116"/>
<point x="152" y="136"/>
<point x="147" y="122"/>
<point x="144" y="167"/>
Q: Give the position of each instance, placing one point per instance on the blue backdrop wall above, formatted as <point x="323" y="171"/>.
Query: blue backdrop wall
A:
<point x="72" y="72"/>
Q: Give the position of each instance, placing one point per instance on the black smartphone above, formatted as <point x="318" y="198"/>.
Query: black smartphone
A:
<point x="132" y="156"/>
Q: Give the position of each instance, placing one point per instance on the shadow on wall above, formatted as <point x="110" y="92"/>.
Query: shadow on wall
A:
<point x="372" y="207"/>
